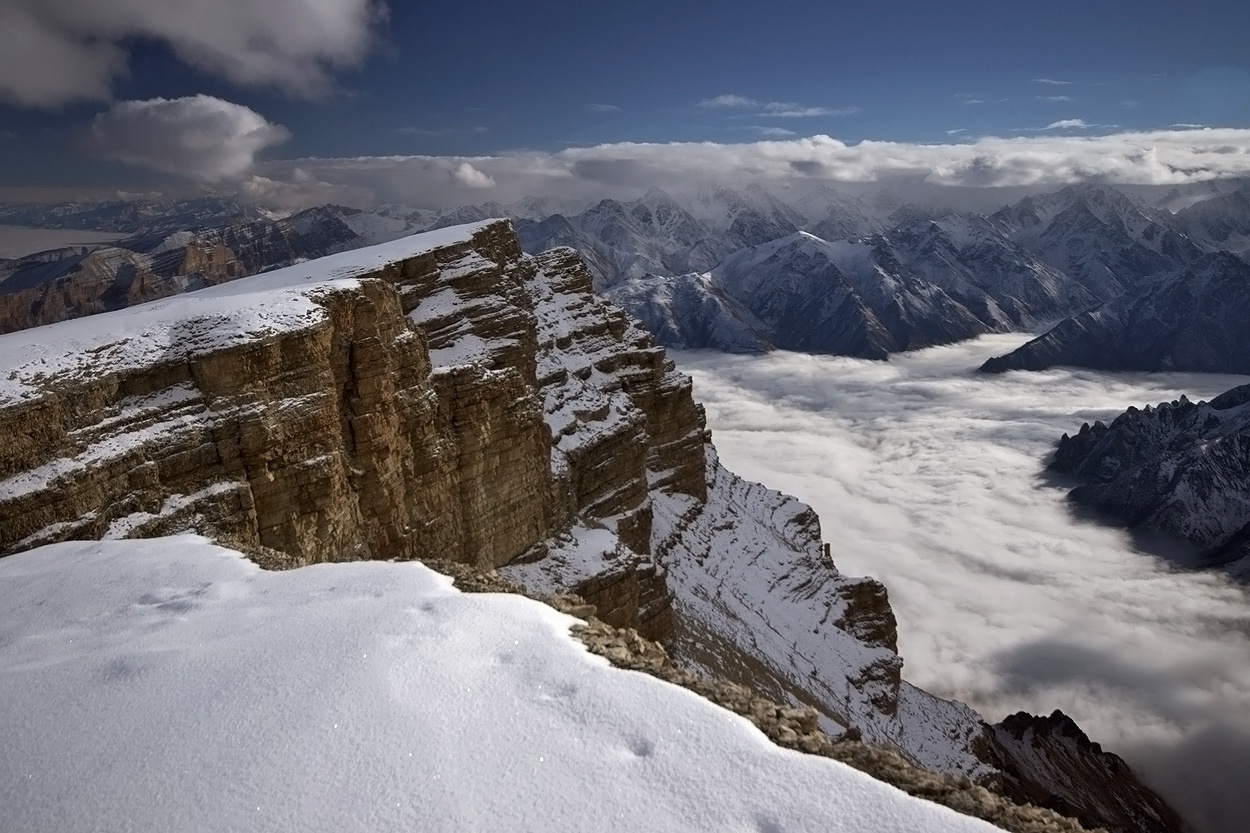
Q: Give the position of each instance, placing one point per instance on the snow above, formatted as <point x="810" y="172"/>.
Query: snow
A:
<point x="212" y="318"/>
<point x="170" y="684"/>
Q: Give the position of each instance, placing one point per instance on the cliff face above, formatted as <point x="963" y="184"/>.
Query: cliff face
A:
<point x="1181" y="469"/>
<point x="442" y="397"/>
<point x="447" y="397"/>
<point x="70" y="283"/>
<point x="1050" y="762"/>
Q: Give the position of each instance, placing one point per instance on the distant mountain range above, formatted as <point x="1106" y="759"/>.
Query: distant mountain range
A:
<point x="1111" y="280"/>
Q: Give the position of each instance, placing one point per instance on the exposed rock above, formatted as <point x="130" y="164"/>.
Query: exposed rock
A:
<point x="1050" y="762"/>
<point x="63" y="284"/>
<point x="793" y="727"/>
<point x="1181" y="469"/>
<point x="1193" y="320"/>
<point x="449" y="397"/>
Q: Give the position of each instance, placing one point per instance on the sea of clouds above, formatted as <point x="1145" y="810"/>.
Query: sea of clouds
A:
<point x="931" y="477"/>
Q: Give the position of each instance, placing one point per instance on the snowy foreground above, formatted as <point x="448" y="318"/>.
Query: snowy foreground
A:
<point x="173" y="685"/>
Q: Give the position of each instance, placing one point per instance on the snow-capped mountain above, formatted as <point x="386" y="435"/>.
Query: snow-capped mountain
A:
<point x="1220" y="224"/>
<point x="1103" y="239"/>
<point x="970" y="257"/>
<point x="728" y="269"/>
<point x="803" y="293"/>
<point x="134" y="216"/>
<point x="69" y="283"/>
<point x="1182" y="469"/>
<point x="1194" y="319"/>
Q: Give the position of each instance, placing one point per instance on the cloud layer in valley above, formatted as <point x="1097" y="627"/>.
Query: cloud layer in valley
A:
<point x="57" y="51"/>
<point x="930" y="477"/>
<point x="200" y="137"/>
<point x="1159" y="157"/>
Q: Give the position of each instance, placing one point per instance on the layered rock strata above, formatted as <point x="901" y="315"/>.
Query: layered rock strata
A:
<point x="447" y="397"/>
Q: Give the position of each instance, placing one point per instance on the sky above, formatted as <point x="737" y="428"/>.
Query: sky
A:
<point x="370" y="100"/>
<point x="931" y="477"/>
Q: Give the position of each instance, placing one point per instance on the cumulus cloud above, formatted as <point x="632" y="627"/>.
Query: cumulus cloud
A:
<point x="200" y="137"/>
<point x="57" y="51"/>
<point x="1051" y="159"/>
<point x="930" y="477"/>
<point x="471" y="177"/>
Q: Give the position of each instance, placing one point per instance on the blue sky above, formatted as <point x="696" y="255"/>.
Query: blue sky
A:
<point x="480" y="79"/>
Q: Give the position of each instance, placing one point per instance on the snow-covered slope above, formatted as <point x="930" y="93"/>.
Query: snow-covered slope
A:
<point x="134" y="216"/>
<point x="447" y="396"/>
<point x="55" y="286"/>
<point x="1220" y="223"/>
<point x="379" y="698"/>
<point x="1100" y="237"/>
<point x="803" y="293"/>
<point x="691" y="311"/>
<point x="1194" y="319"/>
<point x="747" y="566"/>
<point x="1180" y="468"/>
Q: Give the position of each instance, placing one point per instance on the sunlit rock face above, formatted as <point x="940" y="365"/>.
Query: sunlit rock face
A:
<point x="446" y="396"/>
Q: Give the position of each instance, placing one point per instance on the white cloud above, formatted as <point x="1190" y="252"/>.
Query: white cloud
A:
<point x="471" y="177"/>
<point x="764" y="130"/>
<point x="1128" y="103"/>
<point x="604" y="108"/>
<point x="1053" y="99"/>
<point x="57" y="51"/>
<point x="439" y="131"/>
<point x="200" y="137"/>
<point x="791" y="110"/>
<point x="930" y="478"/>
<point x="956" y="131"/>
<point x="1068" y="124"/>
<point x="774" y="109"/>
<point x="1053" y="82"/>
<point x="1065" y="124"/>
<point x="1158" y="157"/>
<point x="727" y="101"/>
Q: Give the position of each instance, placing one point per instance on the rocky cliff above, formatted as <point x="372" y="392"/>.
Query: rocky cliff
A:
<point x="447" y="397"/>
<point x="1051" y="762"/>
<point x="1181" y="469"/>
<point x="68" y="283"/>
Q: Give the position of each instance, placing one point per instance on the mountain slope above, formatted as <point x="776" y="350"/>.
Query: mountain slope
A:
<point x="1194" y="320"/>
<point x="58" y="285"/>
<point x="439" y="711"/>
<point x="1181" y="469"/>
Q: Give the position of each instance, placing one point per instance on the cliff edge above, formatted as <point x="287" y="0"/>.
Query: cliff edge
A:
<point x="447" y="397"/>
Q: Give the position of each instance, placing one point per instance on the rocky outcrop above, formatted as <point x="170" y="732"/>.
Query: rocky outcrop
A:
<point x="1050" y="762"/>
<point x="447" y="397"/>
<point x="462" y="402"/>
<point x="1181" y="469"/>
<point x="62" y="284"/>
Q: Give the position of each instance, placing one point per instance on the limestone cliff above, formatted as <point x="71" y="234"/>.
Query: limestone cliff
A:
<point x="447" y="397"/>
